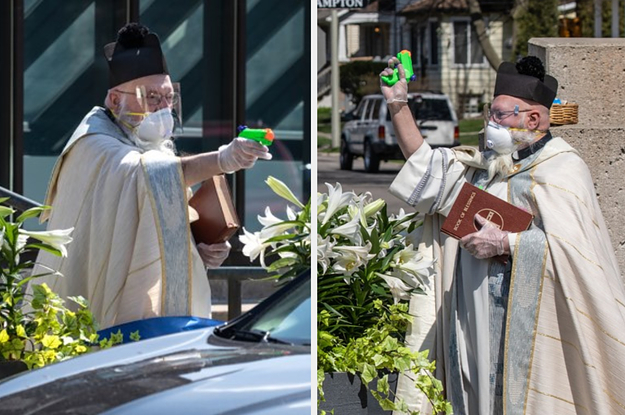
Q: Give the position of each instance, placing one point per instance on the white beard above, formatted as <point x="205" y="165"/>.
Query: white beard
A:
<point x="501" y="164"/>
<point x="166" y="146"/>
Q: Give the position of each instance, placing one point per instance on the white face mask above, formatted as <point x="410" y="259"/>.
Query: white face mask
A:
<point x="499" y="139"/>
<point x="156" y="126"/>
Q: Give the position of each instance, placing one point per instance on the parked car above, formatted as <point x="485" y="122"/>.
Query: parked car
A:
<point x="369" y="132"/>
<point x="259" y="363"/>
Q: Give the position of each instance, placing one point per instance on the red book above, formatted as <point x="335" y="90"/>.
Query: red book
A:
<point x="472" y="201"/>
<point x="218" y="219"/>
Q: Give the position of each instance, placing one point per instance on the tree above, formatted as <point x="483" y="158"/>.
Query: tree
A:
<point x="534" y="18"/>
<point x="586" y="12"/>
<point x="360" y="78"/>
<point x="477" y="20"/>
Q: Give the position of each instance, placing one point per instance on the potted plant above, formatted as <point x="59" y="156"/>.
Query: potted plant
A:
<point x="36" y="328"/>
<point x="366" y="272"/>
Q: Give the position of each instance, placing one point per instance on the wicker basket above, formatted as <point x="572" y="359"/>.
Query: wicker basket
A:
<point x="561" y="114"/>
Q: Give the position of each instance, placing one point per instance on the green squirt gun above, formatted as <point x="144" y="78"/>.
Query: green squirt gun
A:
<point x="405" y="58"/>
<point x="262" y="135"/>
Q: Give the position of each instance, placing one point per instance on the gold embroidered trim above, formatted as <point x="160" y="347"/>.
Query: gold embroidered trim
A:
<point x="574" y="195"/>
<point x="159" y="234"/>
<point x="614" y="399"/>
<point x="507" y="338"/>
<point x="596" y="323"/>
<point x="560" y="399"/>
<point x="535" y="330"/>
<point x="143" y="267"/>
<point x="578" y="251"/>
<point x="568" y="343"/>
<point x="190" y="261"/>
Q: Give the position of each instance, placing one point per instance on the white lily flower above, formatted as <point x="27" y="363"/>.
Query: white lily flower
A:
<point x="351" y="258"/>
<point x="253" y="244"/>
<point x="269" y="219"/>
<point x="275" y="230"/>
<point x="21" y="241"/>
<point x="291" y="214"/>
<point x="325" y="252"/>
<point x="55" y="238"/>
<point x="282" y="190"/>
<point x="399" y="289"/>
<point x="349" y="230"/>
<point x="412" y="265"/>
<point x="374" y="207"/>
<point x="336" y="200"/>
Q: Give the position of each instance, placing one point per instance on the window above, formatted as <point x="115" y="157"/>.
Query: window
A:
<point x="467" y="49"/>
<point x="425" y="41"/>
<point x="57" y="95"/>
<point x="430" y="109"/>
<point x="360" y="110"/>
<point x="434" y="43"/>
<point x="374" y="109"/>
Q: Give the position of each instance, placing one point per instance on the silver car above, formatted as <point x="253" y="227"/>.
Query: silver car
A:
<point x="369" y="132"/>
<point x="259" y="363"/>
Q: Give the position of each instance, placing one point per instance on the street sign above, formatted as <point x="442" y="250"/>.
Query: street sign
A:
<point x="341" y="4"/>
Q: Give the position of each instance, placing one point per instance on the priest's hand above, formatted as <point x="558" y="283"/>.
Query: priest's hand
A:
<point x="488" y="242"/>
<point x="241" y="153"/>
<point x="215" y="254"/>
<point x="398" y="93"/>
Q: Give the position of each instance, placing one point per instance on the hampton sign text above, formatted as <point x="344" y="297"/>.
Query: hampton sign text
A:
<point x="341" y="4"/>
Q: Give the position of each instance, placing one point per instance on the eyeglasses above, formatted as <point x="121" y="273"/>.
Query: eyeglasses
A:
<point x="154" y="98"/>
<point x="499" y="115"/>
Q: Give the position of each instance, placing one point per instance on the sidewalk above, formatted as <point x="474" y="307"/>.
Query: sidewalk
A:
<point x="220" y="311"/>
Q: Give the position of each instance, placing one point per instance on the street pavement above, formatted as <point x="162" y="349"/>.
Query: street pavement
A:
<point x="358" y="180"/>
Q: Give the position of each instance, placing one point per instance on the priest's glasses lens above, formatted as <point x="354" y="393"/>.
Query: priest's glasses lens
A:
<point x="153" y="98"/>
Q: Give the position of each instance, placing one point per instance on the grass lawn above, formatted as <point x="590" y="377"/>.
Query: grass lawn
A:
<point x="468" y="131"/>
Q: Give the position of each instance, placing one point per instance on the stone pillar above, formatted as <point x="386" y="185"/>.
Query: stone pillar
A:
<point x="591" y="73"/>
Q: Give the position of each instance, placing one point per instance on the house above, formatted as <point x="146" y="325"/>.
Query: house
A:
<point x="446" y="51"/>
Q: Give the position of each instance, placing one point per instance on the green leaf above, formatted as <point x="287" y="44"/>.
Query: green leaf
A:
<point x="44" y="247"/>
<point x="389" y="258"/>
<point x="368" y="373"/>
<point x="31" y="213"/>
<point x="51" y="342"/>
<point x="378" y="359"/>
<point x="383" y="386"/>
<point x="5" y="211"/>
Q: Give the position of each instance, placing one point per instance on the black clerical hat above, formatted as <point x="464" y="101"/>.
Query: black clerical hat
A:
<point x="526" y="79"/>
<point x="136" y="53"/>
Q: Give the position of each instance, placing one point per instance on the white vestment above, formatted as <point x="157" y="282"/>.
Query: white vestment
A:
<point x="563" y="338"/>
<point x="133" y="255"/>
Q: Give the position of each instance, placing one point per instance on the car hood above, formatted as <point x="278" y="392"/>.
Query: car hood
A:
<point x="222" y="377"/>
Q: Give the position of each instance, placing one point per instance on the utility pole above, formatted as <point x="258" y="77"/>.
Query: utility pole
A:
<point x="334" y="80"/>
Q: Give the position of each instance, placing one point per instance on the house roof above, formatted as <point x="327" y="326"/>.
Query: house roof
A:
<point x="454" y="6"/>
<point x="419" y="6"/>
<point x="380" y="6"/>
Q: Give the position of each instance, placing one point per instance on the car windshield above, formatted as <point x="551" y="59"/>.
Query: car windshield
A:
<point x="283" y="318"/>
<point x="425" y="109"/>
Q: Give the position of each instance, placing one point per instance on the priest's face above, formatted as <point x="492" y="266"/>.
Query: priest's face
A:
<point x="511" y="114"/>
<point x="518" y="115"/>
<point x="148" y="94"/>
